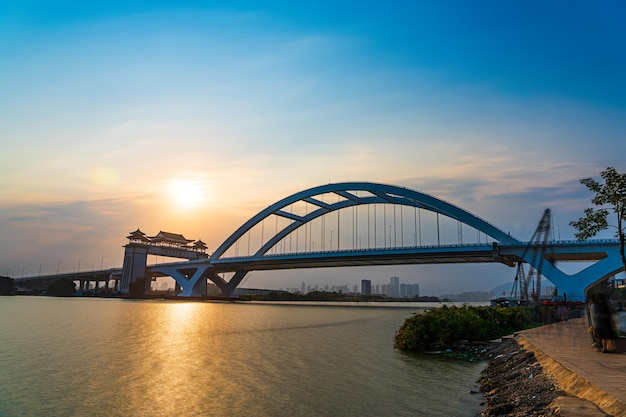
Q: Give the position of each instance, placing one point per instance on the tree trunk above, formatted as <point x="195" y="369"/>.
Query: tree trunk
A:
<point x="620" y="233"/>
<point x="621" y="248"/>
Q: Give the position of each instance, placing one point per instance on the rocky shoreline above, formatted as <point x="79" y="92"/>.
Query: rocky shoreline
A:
<point x="515" y="385"/>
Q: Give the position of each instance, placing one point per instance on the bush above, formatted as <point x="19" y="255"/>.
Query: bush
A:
<point x="62" y="287"/>
<point x="447" y="326"/>
<point x="7" y="286"/>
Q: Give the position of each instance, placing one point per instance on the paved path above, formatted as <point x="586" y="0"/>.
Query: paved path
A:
<point x="565" y="351"/>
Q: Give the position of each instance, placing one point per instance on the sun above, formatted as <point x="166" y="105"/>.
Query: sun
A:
<point x="187" y="192"/>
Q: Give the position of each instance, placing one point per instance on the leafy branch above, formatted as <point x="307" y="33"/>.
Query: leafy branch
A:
<point x="610" y="194"/>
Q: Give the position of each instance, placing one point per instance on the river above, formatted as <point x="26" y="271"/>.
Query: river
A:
<point x="114" y="357"/>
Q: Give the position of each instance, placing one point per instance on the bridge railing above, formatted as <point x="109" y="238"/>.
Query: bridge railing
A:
<point x="389" y="249"/>
<point x="363" y="250"/>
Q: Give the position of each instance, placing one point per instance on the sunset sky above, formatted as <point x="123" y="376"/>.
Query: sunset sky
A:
<point x="112" y="112"/>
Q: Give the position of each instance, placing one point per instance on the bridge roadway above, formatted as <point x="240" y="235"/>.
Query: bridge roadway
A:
<point x="437" y="254"/>
<point x="507" y="254"/>
<point x="603" y="254"/>
<point x="443" y="254"/>
<point x="365" y="257"/>
<point x="42" y="282"/>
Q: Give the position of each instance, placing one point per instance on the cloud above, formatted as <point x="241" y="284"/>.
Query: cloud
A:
<point x="99" y="112"/>
<point x="62" y="232"/>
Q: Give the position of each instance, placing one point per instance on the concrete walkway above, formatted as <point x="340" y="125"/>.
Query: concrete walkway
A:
<point x="565" y="351"/>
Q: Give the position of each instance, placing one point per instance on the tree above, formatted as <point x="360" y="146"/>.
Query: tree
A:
<point x="62" y="287"/>
<point x="7" y="286"/>
<point x="608" y="195"/>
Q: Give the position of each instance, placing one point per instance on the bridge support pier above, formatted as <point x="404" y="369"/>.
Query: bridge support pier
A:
<point x="227" y="288"/>
<point x="603" y="255"/>
<point x="134" y="270"/>
<point x="576" y="286"/>
<point x="200" y="288"/>
<point x="190" y="280"/>
<point x="235" y="281"/>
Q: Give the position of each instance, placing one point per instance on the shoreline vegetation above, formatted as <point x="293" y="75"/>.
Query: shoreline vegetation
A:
<point x="66" y="287"/>
<point x="513" y="382"/>
<point x="334" y="296"/>
<point x="461" y="328"/>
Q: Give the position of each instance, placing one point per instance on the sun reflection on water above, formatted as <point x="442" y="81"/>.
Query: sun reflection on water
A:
<point x="170" y="365"/>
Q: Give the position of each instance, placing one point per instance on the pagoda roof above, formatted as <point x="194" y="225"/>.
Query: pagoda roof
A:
<point x="170" y="237"/>
<point x="137" y="235"/>
<point x="200" y="244"/>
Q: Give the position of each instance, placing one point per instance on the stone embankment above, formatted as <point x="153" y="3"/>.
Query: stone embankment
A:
<point x="516" y="384"/>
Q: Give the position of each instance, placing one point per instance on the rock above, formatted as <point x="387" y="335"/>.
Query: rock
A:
<point x="515" y="385"/>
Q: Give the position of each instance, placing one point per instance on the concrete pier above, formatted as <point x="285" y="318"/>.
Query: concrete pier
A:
<point x="596" y="380"/>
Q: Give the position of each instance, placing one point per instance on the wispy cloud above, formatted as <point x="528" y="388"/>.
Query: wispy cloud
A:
<point x="101" y="109"/>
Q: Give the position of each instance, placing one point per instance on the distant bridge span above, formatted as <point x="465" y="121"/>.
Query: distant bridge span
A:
<point x="290" y="244"/>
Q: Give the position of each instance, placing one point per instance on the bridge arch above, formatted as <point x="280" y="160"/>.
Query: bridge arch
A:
<point x="377" y="194"/>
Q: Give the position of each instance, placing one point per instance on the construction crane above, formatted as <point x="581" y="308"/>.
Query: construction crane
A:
<point x="530" y="286"/>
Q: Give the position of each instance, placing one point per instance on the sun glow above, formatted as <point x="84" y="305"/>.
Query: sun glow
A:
<point x="188" y="192"/>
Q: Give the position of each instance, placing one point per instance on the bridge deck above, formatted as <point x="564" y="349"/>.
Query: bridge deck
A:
<point x="441" y="255"/>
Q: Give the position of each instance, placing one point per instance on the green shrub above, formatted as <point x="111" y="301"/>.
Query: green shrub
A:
<point x="62" y="287"/>
<point x="447" y="326"/>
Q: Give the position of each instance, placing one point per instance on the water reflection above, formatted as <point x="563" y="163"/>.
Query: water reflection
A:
<point x="165" y="361"/>
<point x="150" y="358"/>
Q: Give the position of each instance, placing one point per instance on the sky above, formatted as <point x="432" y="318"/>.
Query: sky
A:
<point x="190" y="117"/>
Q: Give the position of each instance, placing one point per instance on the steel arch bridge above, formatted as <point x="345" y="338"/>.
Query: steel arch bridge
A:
<point x="377" y="194"/>
<point x="272" y="253"/>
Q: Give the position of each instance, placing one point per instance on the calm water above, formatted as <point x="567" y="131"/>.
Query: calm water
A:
<point x="111" y="357"/>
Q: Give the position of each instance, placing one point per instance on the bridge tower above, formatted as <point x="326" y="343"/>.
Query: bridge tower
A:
<point x="135" y="281"/>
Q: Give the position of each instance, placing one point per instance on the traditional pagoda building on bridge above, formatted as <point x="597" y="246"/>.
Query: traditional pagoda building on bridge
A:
<point x="166" y="244"/>
<point x="168" y="239"/>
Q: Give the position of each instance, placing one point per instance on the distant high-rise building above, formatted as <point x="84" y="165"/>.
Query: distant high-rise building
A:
<point x="409" y="290"/>
<point x="366" y="287"/>
<point x="412" y="290"/>
<point x="394" y="287"/>
<point x="385" y="290"/>
<point x="303" y="288"/>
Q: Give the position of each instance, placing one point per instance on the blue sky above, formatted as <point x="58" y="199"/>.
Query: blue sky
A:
<point x="108" y="108"/>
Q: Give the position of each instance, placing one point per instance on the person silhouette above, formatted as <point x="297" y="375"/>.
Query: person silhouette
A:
<point x="602" y="322"/>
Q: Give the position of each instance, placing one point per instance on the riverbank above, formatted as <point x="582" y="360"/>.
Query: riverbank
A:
<point x="514" y="384"/>
<point x="553" y="370"/>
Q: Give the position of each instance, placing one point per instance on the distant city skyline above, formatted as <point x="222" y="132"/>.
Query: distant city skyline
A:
<point x="394" y="288"/>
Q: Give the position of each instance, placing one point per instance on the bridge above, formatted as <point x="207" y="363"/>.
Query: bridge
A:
<point x="354" y="224"/>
